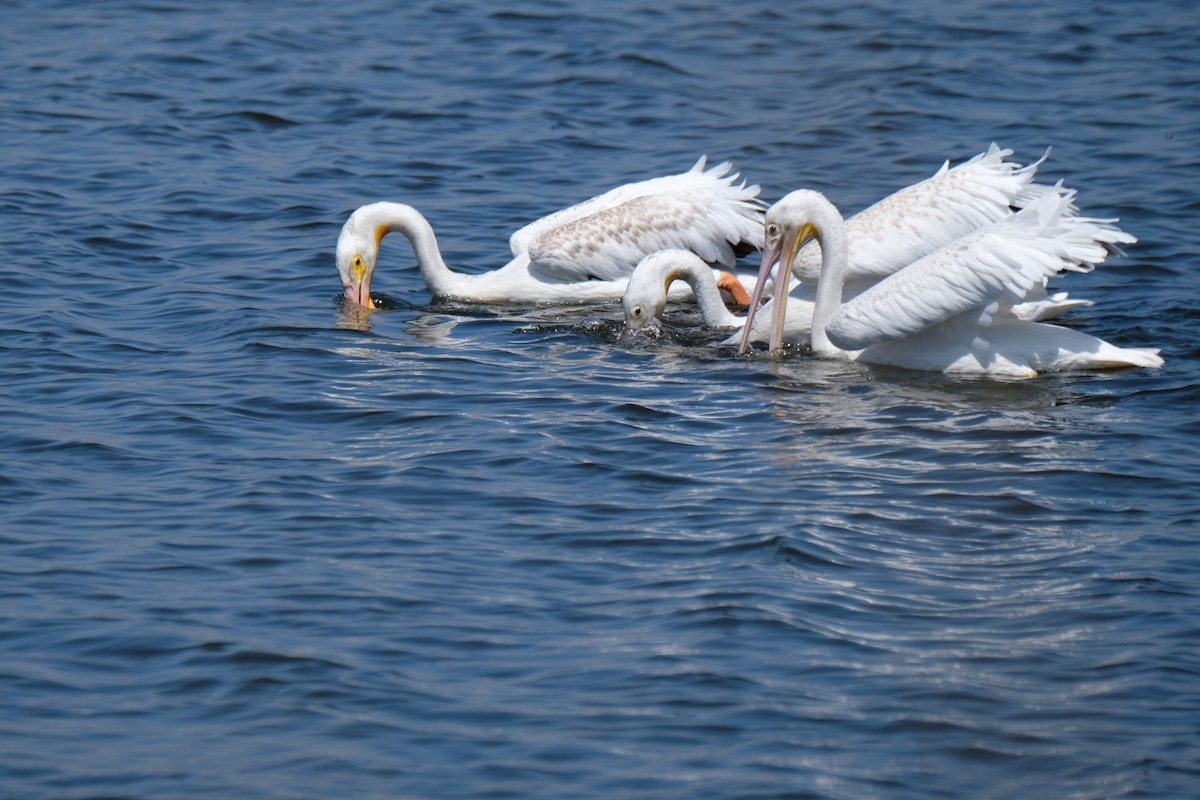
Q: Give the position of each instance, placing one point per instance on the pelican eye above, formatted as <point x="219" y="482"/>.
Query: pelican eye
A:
<point x="772" y="229"/>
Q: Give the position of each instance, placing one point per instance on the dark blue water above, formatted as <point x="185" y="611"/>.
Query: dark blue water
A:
<point x="256" y="546"/>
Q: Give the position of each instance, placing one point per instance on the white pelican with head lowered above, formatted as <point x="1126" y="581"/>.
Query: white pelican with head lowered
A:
<point x="946" y="311"/>
<point x="584" y="253"/>
<point x="646" y="297"/>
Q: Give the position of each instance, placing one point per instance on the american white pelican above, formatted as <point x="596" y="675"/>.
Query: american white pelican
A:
<point x="920" y="218"/>
<point x="942" y="312"/>
<point x="584" y="253"/>
<point x="646" y="297"/>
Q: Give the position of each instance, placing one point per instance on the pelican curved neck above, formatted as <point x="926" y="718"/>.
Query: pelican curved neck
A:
<point x="384" y="218"/>
<point x="831" y="235"/>
<point x="698" y="275"/>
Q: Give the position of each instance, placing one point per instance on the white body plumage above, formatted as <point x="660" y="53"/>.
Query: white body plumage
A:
<point x="947" y="311"/>
<point x="584" y="253"/>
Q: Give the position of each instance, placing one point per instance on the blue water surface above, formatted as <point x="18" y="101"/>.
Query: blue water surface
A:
<point x="256" y="544"/>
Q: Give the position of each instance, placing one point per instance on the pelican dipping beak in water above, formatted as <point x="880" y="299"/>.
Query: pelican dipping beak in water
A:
<point x="581" y="254"/>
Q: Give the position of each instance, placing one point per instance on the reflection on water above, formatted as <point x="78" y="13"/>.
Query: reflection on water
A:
<point x="352" y="316"/>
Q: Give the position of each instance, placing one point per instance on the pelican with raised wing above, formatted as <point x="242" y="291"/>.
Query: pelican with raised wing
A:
<point x="946" y="311"/>
<point x="584" y="253"/>
<point x="918" y="219"/>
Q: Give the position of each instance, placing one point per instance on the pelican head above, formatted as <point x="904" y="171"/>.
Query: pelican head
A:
<point x="646" y="295"/>
<point x="789" y="225"/>
<point x="357" y="252"/>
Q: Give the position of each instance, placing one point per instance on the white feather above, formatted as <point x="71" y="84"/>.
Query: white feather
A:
<point x="922" y="217"/>
<point x="602" y="239"/>
<point x="1006" y="260"/>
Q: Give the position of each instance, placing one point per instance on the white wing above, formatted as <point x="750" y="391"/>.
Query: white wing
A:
<point x="1001" y="262"/>
<point x="604" y="238"/>
<point x="920" y="218"/>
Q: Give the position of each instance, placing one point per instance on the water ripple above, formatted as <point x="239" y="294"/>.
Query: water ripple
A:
<point x="438" y="550"/>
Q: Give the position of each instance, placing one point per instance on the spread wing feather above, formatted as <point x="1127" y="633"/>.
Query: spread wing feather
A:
<point x="701" y="210"/>
<point x="1002" y="262"/>
<point x="919" y="219"/>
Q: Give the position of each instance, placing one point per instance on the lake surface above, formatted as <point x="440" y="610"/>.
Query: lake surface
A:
<point x="256" y="545"/>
